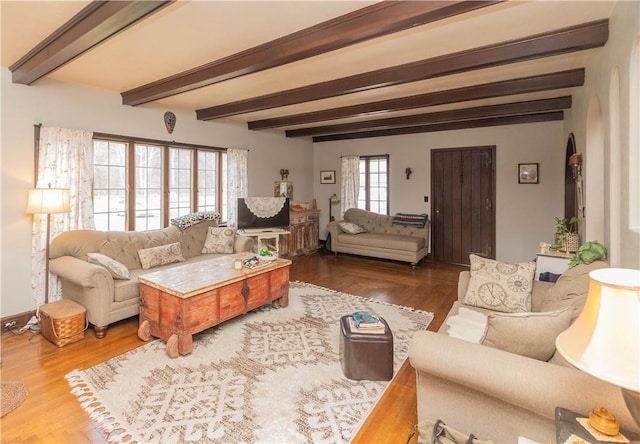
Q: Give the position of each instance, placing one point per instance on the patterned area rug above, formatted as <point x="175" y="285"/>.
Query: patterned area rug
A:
<point x="271" y="376"/>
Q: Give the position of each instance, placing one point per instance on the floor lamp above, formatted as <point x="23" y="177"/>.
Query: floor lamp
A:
<point x="48" y="201"/>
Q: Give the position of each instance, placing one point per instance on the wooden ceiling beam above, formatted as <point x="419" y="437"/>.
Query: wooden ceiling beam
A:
<point x="479" y="112"/>
<point x="94" y="24"/>
<point x="464" y="124"/>
<point x="544" y="82"/>
<point x="367" y="23"/>
<point x="575" y="38"/>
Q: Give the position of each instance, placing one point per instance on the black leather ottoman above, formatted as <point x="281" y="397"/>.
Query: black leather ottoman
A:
<point x="366" y="355"/>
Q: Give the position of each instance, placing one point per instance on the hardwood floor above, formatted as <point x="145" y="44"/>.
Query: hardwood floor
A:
<point x="51" y="414"/>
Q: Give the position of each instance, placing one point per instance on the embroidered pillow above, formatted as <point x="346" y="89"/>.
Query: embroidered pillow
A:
<point x="117" y="270"/>
<point x="188" y="220"/>
<point x="411" y="220"/>
<point x="350" y="228"/>
<point x="527" y="334"/>
<point x="500" y="286"/>
<point x="219" y="240"/>
<point x="162" y="255"/>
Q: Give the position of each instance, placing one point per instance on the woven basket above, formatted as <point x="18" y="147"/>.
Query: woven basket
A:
<point x="571" y="242"/>
<point x="63" y="322"/>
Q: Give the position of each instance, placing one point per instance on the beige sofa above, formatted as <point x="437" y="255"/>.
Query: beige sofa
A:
<point x="500" y="395"/>
<point x="107" y="299"/>
<point x="382" y="238"/>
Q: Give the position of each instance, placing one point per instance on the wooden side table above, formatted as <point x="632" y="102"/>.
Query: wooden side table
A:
<point x="567" y="425"/>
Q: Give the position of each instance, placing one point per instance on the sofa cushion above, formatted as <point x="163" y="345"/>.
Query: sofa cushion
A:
<point x="527" y="334"/>
<point x="117" y="270"/>
<point x="219" y="240"/>
<point x="351" y="228"/>
<point x="164" y="254"/>
<point x="387" y="241"/>
<point x="571" y="289"/>
<point x="500" y="286"/>
<point x="412" y="220"/>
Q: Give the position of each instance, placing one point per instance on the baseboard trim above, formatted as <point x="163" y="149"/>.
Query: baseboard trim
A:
<point x="20" y="319"/>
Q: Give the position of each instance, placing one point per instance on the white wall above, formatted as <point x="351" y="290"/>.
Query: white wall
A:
<point x="524" y="213"/>
<point x="58" y="104"/>
<point x="607" y="147"/>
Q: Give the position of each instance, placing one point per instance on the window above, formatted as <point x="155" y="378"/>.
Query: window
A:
<point x="141" y="186"/>
<point x="179" y="182"/>
<point x="109" y="185"/>
<point x="148" y="186"/>
<point x="374" y="184"/>
<point x="207" y="186"/>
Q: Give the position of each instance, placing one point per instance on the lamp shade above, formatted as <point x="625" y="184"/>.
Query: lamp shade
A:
<point x="605" y="339"/>
<point x="48" y="200"/>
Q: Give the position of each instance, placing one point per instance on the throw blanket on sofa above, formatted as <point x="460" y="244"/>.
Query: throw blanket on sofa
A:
<point x="468" y="325"/>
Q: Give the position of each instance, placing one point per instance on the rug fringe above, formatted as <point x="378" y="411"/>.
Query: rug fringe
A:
<point x="95" y="409"/>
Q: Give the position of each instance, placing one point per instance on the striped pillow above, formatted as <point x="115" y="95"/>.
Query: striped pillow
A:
<point x="412" y="220"/>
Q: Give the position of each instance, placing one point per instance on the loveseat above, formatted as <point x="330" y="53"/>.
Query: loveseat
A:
<point x="502" y="395"/>
<point x="108" y="298"/>
<point x="365" y="233"/>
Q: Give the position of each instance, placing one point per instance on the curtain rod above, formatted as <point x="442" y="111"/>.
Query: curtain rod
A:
<point x="369" y="155"/>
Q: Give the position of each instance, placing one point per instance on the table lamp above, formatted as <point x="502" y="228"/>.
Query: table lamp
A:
<point x="48" y="201"/>
<point x="605" y="339"/>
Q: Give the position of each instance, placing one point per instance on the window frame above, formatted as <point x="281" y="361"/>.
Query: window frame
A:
<point x="165" y="146"/>
<point x="367" y="186"/>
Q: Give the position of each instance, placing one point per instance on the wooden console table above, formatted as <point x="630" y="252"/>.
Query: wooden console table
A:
<point x="180" y="301"/>
<point x="304" y="229"/>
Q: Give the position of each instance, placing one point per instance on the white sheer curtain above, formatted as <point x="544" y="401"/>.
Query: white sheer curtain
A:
<point x="349" y="183"/>
<point x="237" y="181"/>
<point x="65" y="161"/>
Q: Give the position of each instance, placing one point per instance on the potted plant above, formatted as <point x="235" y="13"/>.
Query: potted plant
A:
<point x="566" y="237"/>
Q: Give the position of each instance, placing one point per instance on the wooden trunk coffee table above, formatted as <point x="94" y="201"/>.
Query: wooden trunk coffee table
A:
<point x="177" y="302"/>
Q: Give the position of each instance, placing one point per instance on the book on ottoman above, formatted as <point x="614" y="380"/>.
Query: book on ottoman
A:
<point x="366" y="356"/>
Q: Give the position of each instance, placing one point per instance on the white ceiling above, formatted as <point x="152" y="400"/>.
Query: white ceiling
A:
<point x="187" y="34"/>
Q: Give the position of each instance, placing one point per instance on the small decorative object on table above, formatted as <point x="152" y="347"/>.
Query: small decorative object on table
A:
<point x="251" y="262"/>
<point x="574" y="428"/>
<point x="268" y="255"/>
<point x="566" y="237"/>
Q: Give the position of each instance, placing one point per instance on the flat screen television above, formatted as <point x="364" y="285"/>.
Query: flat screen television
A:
<point x="277" y="215"/>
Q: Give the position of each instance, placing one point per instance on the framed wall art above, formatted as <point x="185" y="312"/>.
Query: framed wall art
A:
<point x="527" y="173"/>
<point x="328" y="176"/>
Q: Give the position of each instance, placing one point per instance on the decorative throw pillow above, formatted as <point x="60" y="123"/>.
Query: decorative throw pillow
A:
<point x="527" y="334"/>
<point x="411" y="220"/>
<point x="117" y="270"/>
<point x="162" y="255"/>
<point x="350" y="228"/>
<point x="188" y="220"/>
<point x="499" y="286"/>
<point x="571" y="289"/>
<point x="219" y="240"/>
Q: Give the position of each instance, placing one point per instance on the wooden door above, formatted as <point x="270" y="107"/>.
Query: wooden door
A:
<point x="463" y="212"/>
